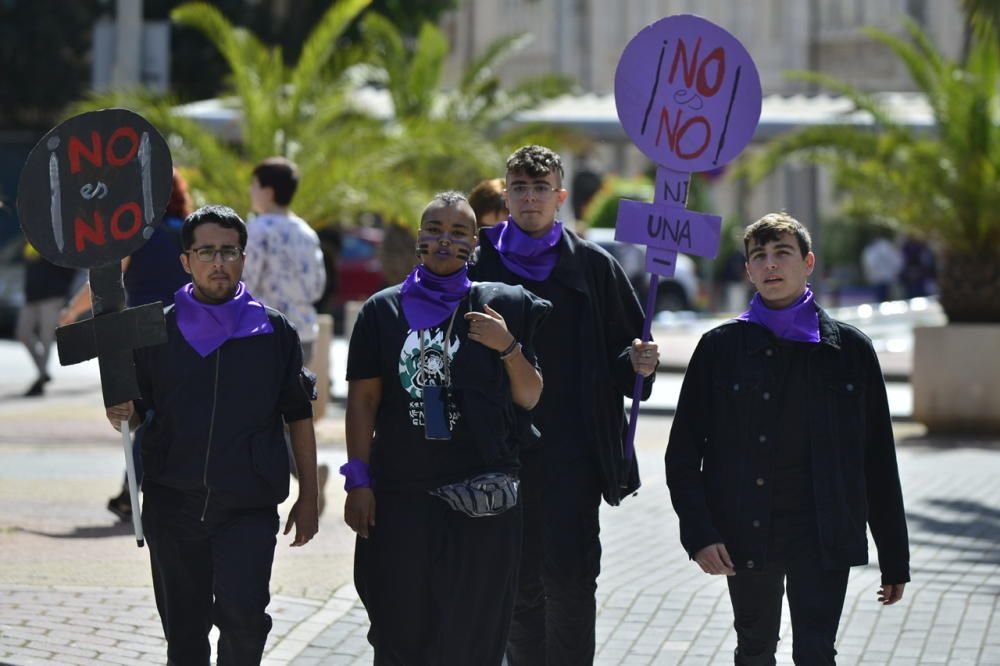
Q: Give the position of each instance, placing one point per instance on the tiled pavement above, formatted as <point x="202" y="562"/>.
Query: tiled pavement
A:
<point x="655" y="607"/>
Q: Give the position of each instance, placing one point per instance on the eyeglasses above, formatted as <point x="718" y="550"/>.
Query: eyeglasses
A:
<point x="229" y="253"/>
<point x="538" y="190"/>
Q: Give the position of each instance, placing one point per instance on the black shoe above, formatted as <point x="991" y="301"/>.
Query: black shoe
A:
<point x="36" y="389"/>
<point x="121" y="506"/>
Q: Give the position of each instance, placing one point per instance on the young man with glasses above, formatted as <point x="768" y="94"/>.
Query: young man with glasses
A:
<point x="220" y="390"/>
<point x="589" y="352"/>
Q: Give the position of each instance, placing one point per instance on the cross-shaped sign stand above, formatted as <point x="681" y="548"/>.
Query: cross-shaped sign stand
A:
<point x="91" y="193"/>
<point x="688" y="96"/>
<point x="665" y="227"/>
<point x="112" y="335"/>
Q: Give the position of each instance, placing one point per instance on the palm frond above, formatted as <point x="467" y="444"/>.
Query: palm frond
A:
<point x="320" y="47"/>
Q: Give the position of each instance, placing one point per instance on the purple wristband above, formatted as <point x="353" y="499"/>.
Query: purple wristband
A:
<point x="355" y="474"/>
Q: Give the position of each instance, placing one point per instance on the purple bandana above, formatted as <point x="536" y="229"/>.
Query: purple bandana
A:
<point x="798" y="322"/>
<point x="206" y="327"/>
<point x="428" y="298"/>
<point x="531" y="258"/>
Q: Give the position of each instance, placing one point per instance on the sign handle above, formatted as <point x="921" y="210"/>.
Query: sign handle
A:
<point x="647" y="325"/>
<point x="133" y="489"/>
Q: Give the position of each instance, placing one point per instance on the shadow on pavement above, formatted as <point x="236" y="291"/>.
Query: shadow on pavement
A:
<point x="977" y="526"/>
<point x="91" y="532"/>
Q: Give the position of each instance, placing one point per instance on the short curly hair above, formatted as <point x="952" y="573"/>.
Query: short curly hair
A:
<point x="535" y="161"/>
<point x="771" y="226"/>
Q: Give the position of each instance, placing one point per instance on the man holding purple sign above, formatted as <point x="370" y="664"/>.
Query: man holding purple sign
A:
<point x="590" y="351"/>
<point x="781" y="451"/>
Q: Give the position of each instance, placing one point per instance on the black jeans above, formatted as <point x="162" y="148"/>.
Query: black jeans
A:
<point x="211" y="571"/>
<point x="555" y="609"/>
<point x="815" y="602"/>
<point x="438" y="585"/>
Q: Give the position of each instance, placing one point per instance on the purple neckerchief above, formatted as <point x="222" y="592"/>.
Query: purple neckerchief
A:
<point x="206" y="327"/>
<point x="798" y="322"/>
<point x="428" y="298"/>
<point x="531" y="258"/>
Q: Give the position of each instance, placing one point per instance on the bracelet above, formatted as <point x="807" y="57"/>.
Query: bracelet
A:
<point x="510" y="351"/>
<point x="506" y="352"/>
<point x="356" y="474"/>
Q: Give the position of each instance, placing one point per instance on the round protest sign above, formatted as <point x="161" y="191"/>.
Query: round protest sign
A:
<point x="94" y="188"/>
<point x="688" y="94"/>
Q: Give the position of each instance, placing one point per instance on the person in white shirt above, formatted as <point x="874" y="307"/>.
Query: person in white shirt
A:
<point x="284" y="262"/>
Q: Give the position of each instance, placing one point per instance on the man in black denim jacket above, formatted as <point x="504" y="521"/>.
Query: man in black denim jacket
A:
<point x="781" y="451"/>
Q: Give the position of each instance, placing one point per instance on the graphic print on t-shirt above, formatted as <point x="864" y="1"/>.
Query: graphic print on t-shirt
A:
<point x="414" y="378"/>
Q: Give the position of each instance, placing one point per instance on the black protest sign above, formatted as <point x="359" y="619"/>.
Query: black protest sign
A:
<point x="94" y="188"/>
<point x="92" y="192"/>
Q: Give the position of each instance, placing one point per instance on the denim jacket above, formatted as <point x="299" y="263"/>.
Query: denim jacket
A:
<point x="719" y="450"/>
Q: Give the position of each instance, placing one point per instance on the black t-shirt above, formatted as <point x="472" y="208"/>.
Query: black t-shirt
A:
<point x="383" y="346"/>
<point x="564" y="434"/>
<point x="793" y="510"/>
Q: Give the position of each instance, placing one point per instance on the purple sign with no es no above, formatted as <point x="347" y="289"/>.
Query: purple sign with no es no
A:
<point x="688" y="94"/>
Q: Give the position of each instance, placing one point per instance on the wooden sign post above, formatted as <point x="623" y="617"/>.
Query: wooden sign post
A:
<point x="91" y="193"/>
<point x="688" y="96"/>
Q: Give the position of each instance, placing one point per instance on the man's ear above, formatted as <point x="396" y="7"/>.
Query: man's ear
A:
<point x="810" y="263"/>
<point x="185" y="262"/>
<point x="563" y="194"/>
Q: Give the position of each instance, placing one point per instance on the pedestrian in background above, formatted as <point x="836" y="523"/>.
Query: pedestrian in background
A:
<point x="46" y="288"/>
<point x="284" y="262"/>
<point x="488" y="203"/>
<point x="780" y="452"/>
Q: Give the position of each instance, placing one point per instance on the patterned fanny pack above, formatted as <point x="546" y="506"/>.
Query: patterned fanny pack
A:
<point x="480" y="496"/>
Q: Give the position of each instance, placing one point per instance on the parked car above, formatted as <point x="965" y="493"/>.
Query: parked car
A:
<point x="679" y="292"/>
<point x="354" y="270"/>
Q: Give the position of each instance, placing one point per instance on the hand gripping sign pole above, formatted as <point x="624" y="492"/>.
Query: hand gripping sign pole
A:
<point x="688" y="96"/>
<point x="91" y="193"/>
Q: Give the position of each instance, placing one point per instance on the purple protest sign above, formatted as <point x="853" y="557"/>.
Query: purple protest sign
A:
<point x="687" y="93"/>
<point x="667" y="227"/>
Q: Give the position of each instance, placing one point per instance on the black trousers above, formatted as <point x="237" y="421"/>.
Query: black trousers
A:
<point x="815" y="602"/>
<point x="555" y="610"/>
<point x="211" y="571"/>
<point x="438" y="585"/>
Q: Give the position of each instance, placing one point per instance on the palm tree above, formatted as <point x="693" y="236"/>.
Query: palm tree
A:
<point x="940" y="183"/>
<point x="457" y="137"/>
<point x="305" y="112"/>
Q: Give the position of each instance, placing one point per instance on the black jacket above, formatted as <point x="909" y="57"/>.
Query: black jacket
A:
<point x="217" y="421"/>
<point x="613" y="318"/>
<point x="718" y="456"/>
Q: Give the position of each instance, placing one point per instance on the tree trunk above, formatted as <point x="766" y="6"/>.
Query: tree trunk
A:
<point x="399" y="253"/>
<point x="969" y="286"/>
